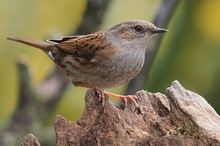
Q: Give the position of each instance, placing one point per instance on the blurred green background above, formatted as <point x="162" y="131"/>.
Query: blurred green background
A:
<point x="190" y="51"/>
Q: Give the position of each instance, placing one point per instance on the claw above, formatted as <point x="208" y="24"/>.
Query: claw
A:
<point x="101" y="95"/>
<point x="131" y="98"/>
<point x="125" y="98"/>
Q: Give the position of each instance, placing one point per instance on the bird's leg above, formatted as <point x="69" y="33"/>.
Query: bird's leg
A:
<point x="99" y="91"/>
<point x="102" y="93"/>
<point x="124" y="98"/>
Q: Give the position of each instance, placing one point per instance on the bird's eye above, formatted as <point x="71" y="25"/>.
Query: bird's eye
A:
<point x="138" y="28"/>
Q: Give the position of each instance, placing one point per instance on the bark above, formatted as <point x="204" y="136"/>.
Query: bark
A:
<point x="181" y="117"/>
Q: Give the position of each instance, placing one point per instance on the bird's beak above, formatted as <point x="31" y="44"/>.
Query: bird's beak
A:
<point x="158" y="30"/>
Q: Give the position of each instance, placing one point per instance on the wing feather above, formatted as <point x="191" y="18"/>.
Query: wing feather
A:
<point x="83" y="46"/>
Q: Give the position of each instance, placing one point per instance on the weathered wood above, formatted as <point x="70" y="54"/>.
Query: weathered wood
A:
<point x="30" y="140"/>
<point x="180" y="118"/>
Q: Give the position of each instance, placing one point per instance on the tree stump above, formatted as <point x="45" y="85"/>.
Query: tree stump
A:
<point x="180" y="118"/>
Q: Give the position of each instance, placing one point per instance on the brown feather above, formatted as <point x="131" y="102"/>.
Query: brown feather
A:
<point x="86" y="46"/>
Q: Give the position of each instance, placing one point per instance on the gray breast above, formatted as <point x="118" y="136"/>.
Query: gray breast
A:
<point x="124" y="68"/>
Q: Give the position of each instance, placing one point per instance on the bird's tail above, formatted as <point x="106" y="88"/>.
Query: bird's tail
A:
<point x="44" y="46"/>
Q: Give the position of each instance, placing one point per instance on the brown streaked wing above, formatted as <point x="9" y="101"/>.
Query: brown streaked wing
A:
<point x="66" y="43"/>
<point x="81" y="46"/>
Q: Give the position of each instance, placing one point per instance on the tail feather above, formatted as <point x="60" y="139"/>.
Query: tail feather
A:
<point x="35" y="43"/>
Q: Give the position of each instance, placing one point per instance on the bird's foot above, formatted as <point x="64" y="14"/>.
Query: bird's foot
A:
<point x="101" y="95"/>
<point x="125" y="98"/>
<point x="131" y="98"/>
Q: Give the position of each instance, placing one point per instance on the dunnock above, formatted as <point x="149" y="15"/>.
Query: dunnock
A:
<point x="104" y="59"/>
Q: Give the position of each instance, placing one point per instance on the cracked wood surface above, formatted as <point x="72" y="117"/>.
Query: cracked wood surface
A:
<point x="180" y="118"/>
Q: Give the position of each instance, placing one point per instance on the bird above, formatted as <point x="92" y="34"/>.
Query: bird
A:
<point x="103" y="59"/>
